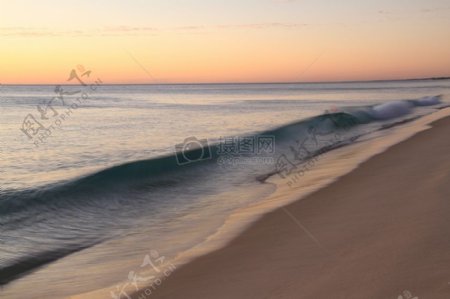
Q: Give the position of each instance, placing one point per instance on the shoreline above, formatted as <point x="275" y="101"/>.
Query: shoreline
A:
<point x="204" y="276"/>
<point x="327" y="169"/>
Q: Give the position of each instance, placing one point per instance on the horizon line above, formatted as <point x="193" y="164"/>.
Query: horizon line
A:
<point x="251" y="82"/>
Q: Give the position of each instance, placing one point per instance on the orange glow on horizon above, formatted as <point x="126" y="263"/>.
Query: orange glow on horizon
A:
<point x="412" y="46"/>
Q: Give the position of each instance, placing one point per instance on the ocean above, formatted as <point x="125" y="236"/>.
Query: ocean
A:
<point x="95" y="179"/>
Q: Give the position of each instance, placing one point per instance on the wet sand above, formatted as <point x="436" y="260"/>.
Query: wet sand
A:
<point x="377" y="232"/>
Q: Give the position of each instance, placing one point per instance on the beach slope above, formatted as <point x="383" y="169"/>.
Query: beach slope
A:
<point x="382" y="231"/>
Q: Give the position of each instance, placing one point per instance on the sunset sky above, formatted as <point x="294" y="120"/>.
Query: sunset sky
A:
<point x="177" y="41"/>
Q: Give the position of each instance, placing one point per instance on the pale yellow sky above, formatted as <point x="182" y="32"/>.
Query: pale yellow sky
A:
<point x="164" y="41"/>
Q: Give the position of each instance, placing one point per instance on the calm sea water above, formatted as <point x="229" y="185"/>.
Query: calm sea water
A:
<point x="90" y="181"/>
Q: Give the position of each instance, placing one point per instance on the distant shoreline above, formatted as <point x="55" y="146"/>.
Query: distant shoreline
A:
<point x="252" y="83"/>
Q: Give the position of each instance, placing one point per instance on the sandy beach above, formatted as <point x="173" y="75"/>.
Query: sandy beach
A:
<point x="382" y="231"/>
